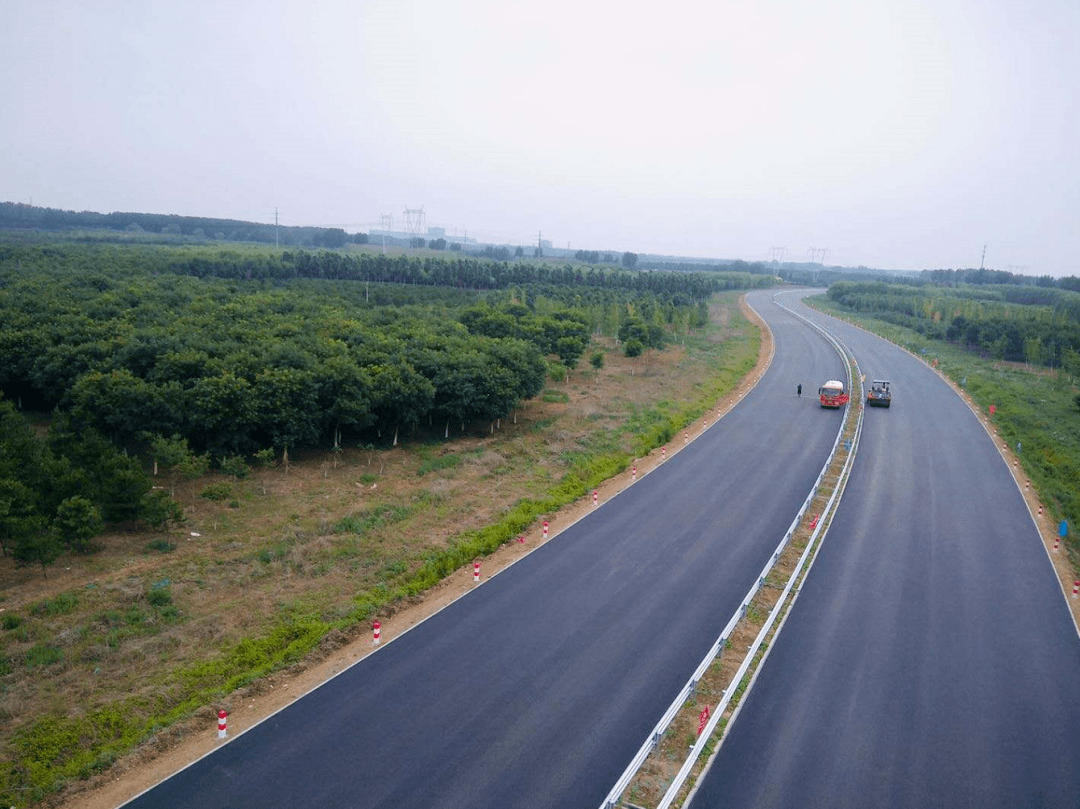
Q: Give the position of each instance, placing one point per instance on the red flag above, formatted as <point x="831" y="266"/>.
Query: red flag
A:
<point x="703" y="720"/>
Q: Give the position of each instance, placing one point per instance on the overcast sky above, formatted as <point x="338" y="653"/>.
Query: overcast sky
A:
<point x="902" y="134"/>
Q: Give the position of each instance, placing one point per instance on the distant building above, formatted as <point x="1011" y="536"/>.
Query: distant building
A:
<point x="436" y="233"/>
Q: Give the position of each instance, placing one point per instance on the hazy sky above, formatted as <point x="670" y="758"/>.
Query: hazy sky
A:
<point x="895" y="133"/>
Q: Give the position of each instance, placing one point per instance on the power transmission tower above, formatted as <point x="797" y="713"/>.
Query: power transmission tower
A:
<point x="778" y="254"/>
<point x="982" y="263"/>
<point x="275" y="227"/>
<point x="386" y="225"/>
<point x="414" y="221"/>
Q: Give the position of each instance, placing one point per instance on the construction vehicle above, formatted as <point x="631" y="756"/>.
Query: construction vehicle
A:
<point x="832" y="394"/>
<point x="879" y="395"/>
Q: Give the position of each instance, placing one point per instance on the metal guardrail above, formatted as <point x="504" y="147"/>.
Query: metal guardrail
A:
<point x="613" y="796"/>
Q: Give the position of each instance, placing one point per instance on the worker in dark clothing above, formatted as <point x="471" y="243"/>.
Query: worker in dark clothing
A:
<point x="800" y="389"/>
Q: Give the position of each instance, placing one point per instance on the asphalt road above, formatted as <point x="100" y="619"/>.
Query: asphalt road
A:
<point x="536" y="689"/>
<point x="930" y="659"/>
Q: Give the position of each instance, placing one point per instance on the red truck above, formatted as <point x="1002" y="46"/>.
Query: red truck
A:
<point x="832" y="394"/>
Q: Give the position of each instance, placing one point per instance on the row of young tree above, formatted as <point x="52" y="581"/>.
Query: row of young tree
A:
<point x="449" y="271"/>
<point x="628" y="260"/>
<point x="1001" y="278"/>
<point x="1032" y="324"/>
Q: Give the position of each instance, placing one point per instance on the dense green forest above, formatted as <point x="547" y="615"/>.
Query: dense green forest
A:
<point x="189" y="356"/>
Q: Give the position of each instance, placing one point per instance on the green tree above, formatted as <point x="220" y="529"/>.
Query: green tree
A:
<point x="18" y="512"/>
<point x="344" y="395"/>
<point x="76" y="523"/>
<point x="287" y="406"/>
<point x="87" y="464"/>
<point x="36" y="545"/>
<point x="168" y="452"/>
<point x="222" y="411"/>
<point x="629" y="260"/>
<point x="121" y="405"/>
<point x="158" y="509"/>
<point x="399" y="395"/>
<point x="192" y="466"/>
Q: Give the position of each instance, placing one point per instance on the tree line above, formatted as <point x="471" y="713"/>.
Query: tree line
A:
<point x="1034" y="324"/>
<point x="453" y="271"/>
<point x="16" y="215"/>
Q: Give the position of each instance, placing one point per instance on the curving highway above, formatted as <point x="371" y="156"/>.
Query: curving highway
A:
<point x="930" y="659"/>
<point x="538" y="687"/>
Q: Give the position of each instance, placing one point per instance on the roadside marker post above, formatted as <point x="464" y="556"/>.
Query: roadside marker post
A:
<point x="476" y="570"/>
<point x="663" y="453"/>
<point x="545" y="529"/>
<point x="222" y="723"/>
<point x="376" y="627"/>
<point x="595" y="496"/>
<point x="633" y="473"/>
<point x="1076" y="588"/>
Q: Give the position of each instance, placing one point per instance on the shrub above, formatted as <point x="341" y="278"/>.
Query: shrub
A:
<point x="42" y="655"/>
<point x="217" y="491"/>
<point x="61" y="605"/>
<point x="236" y="466"/>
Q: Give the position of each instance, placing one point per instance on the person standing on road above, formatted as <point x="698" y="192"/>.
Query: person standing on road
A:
<point x="799" y="389"/>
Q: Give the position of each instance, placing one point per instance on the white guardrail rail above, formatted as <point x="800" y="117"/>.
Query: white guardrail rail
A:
<point x="688" y="690"/>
